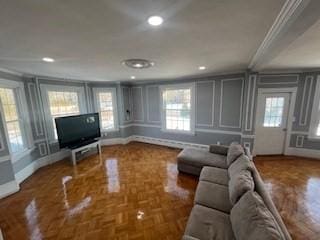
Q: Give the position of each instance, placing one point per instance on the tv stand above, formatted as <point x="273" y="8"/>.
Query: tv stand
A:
<point x="91" y="144"/>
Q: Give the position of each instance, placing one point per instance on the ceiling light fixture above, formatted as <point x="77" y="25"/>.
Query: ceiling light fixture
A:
<point x="133" y="77"/>
<point x="202" y="68"/>
<point x="155" y="20"/>
<point x="47" y="59"/>
<point x="138" y="63"/>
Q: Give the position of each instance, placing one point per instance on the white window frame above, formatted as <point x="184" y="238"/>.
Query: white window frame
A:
<point x="25" y="126"/>
<point x="315" y="116"/>
<point x="190" y="86"/>
<point x="113" y="92"/>
<point x="45" y="88"/>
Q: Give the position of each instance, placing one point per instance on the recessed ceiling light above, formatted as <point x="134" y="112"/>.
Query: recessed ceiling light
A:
<point x="138" y="63"/>
<point x="155" y="20"/>
<point x="202" y="68"/>
<point x="47" y="59"/>
<point x="133" y="77"/>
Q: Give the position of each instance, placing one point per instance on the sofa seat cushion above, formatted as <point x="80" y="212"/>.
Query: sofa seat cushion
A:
<point x="251" y="219"/>
<point x="239" y="184"/>
<point x="209" y="224"/>
<point x="215" y="175"/>
<point x="235" y="150"/>
<point x="213" y="195"/>
<point x="201" y="158"/>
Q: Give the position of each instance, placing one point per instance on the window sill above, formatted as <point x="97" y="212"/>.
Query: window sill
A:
<point x="17" y="156"/>
<point x="190" y="133"/>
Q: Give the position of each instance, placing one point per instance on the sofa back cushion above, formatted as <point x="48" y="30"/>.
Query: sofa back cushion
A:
<point x="251" y="219"/>
<point x="234" y="151"/>
<point x="239" y="184"/>
<point x="241" y="163"/>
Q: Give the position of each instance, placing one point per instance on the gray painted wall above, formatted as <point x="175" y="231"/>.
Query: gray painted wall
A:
<point x="225" y="111"/>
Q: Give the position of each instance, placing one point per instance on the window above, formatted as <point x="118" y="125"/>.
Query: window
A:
<point x="178" y="108"/>
<point x="106" y="105"/>
<point x="314" y="132"/>
<point x="61" y="102"/>
<point x="273" y="112"/>
<point x="12" y="120"/>
<point x="15" y="118"/>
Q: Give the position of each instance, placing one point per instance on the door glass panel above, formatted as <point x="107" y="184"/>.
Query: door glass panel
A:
<point x="273" y="112"/>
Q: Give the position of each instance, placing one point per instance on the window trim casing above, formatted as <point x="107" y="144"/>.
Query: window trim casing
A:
<point x="315" y="114"/>
<point x="22" y="109"/>
<point x="113" y="91"/>
<point x="44" y="89"/>
<point x="192" y="87"/>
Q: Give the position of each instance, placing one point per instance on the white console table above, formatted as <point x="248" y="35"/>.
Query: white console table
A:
<point x="96" y="144"/>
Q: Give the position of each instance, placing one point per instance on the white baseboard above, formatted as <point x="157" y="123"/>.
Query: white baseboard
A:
<point x="41" y="162"/>
<point x="157" y="141"/>
<point x="8" y="188"/>
<point x="303" y="152"/>
<point x="167" y="142"/>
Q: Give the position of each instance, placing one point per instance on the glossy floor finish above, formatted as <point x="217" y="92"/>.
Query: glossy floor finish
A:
<point x="294" y="185"/>
<point x="132" y="192"/>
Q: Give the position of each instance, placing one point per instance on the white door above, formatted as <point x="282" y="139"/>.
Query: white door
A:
<point x="271" y="123"/>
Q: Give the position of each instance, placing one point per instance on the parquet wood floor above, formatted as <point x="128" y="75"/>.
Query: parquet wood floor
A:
<point x="132" y="192"/>
<point x="294" y="185"/>
<point x="135" y="192"/>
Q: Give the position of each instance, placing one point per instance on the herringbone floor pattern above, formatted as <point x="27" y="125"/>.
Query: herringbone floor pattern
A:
<point x="132" y="192"/>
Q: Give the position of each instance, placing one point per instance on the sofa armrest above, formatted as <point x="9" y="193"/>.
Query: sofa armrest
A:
<point x="218" y="149"/>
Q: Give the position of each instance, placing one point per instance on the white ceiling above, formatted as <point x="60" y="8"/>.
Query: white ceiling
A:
<point x="89" y="39"/>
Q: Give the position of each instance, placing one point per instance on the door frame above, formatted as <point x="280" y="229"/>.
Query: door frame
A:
<point x="293" y="93"/>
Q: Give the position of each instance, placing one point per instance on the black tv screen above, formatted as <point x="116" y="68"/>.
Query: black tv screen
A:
<point x="75" y="130"/>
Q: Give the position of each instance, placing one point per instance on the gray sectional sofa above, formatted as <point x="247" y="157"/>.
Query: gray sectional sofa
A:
<point x="230" y="201"/>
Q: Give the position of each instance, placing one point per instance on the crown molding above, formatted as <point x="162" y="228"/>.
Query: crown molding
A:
<point x="290" y="9"/>
<point x="12" y="72"/>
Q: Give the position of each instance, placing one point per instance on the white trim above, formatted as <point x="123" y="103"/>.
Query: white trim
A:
<point x="5" y="158"/>
<point x="289" y="9"/>
<point x="130" y="104"/>
<point x="45" y="88"/>
<point x="39" y="163"/>
<point x="192" y="87"/>
<point x="24" y="121"/>
<point x="142" y="106"/>
<point x="9" y="188"/>
<point x="113" y="92"/>
<point x="250" y="121"/>
<point x="303" y="152"/>
<point x="292" y="101"/>
<point x="218" y="131"/>
<point x="34" y="109"/>
<point x="212" y="102"/>
<point x="221" y="102"/>
<point x="12" y="72"/>
<point x="278" y="83"/>
<point x="299" y="132"/>
<point x="147" y="101"/>
<point x="42" y="149"/>
<point x="306" y="108"/>
<point x="299" y="141"/>
<point x="2" y="147"/>
<point x="315" y="115"/>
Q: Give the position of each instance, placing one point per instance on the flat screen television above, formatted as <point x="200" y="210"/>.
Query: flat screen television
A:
<point x="74" y="131"/>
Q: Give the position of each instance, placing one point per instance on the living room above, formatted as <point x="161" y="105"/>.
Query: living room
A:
<point x="196" y="109"/>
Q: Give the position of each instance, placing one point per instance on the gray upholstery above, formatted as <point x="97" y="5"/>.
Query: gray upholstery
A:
<point x="186" y="237"/>
<point x="239" y="184"/>
<point x="260" y="189"/>
<point x="219" y="149"/>
<point x="235" y="151"/>
<point x="199" y="158"/>
<point x="252" y="220"/>
<point x="213" y="195"/>
<point x="242" y="163"/>
<point x="214" y="175"/>
<point x="208" y="224"/>
<point x="187" y="168"/>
